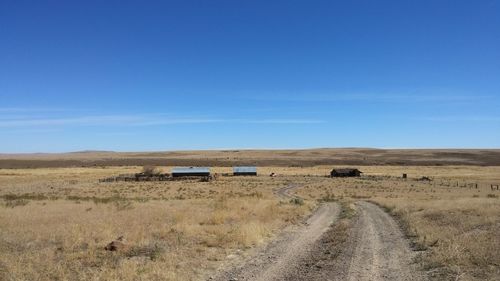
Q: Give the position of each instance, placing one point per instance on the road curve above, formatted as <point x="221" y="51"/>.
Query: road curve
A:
<point x="284" y="192"/>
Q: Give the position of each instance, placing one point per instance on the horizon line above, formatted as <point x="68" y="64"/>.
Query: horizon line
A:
<point x="251" y="149"/>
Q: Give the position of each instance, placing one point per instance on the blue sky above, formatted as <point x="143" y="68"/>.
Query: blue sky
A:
<point x="168" y="75"/>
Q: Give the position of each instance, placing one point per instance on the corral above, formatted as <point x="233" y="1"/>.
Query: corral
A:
<point x="137" y="177"/>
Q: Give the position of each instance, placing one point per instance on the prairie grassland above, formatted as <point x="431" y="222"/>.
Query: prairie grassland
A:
<point x="460" y="236"/>
<point x="56" y="222"/>
<point x="455" y="224"/>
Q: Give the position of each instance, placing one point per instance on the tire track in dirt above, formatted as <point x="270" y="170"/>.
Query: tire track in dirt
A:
<point x="284" y="255"/>
<point x="375" y="249"/>
<point x="284" y="192"/>
<point x="379" y="250"/>
<point x="370" y="246"/>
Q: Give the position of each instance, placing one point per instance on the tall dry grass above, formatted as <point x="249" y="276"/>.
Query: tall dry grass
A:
<point x="171" y="240"/>
<point x="55" y="224"/>
<point x="460" y="236"/>
<point x="455" y="223"/>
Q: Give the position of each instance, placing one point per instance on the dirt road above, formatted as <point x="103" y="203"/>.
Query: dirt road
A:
<point x="374" y="249"/>
<point x="369" y="247"/>
<point x="380" y="251"/>
<point x="286" y="192"/>
<point x="285" y="255"/>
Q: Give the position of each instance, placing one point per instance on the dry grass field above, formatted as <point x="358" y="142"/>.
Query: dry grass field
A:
<point x="55" y="222"/>
<point x="455" y="223"/>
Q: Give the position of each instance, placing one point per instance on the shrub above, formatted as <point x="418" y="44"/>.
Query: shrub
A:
<point x="152" y="251"/>
<point x="15" y="203"/>
<point x="151" y="171"/>
<point x="297" y="201"/>
<point x="329" y="197"/>
<point x="123" y="205"/>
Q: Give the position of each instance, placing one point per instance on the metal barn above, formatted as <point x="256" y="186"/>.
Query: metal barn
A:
<point x="245" y="171"/>
<point x="190" y="172"/>
<point x="346" y="172"/>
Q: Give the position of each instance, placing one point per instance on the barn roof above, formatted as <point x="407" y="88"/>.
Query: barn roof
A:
<point x="187" y="170"/>
<point x="245" y="169"/>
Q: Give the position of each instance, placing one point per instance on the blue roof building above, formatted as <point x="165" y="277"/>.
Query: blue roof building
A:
<point x="245" y="171"/>
<point x="190" y="172"/>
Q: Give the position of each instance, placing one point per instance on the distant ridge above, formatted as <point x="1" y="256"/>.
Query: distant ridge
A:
<point x="89" y="151"/>
<point x="282" y="157"/>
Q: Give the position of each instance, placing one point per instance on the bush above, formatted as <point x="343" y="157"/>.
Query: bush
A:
<point x="329" y="197"/>
<point x="151" y="171"/>
<point x="297" y="201"/>
<point x="15" y="203"/>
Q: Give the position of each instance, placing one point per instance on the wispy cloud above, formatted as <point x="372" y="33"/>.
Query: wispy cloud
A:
<point x="277" y="121"/>
<point x="459" y="119"/>
<point x="101" y="120"/>
<point x="32" y="109"/>
<point x="386" y="98"/>
<point x="24" y="130"/>
<point x="138" y="120"/>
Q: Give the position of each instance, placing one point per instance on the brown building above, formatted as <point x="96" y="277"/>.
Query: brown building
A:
<point x="346" y="172"/>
